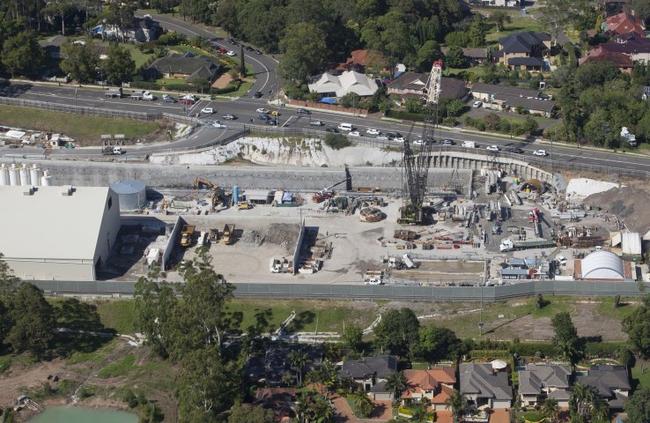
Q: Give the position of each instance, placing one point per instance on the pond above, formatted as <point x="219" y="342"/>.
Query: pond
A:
<point x="65" y="414"/>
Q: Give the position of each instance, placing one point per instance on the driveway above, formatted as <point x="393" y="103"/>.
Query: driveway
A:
<point x="383" y="411"/>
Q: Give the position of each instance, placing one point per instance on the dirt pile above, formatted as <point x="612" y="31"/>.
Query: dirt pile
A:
<point x="630" y="204"/>
<point x="282" y="234"/>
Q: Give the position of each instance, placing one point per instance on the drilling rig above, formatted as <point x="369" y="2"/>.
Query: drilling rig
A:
<point x="416" y="157"/>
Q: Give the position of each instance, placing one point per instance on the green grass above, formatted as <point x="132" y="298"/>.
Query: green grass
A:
<point x="5" y="362"/>
<point x="96" y="356"/>
<point x="118" y="368"/>
<point x="242" y="90"/>
<point x="641" y="373"/>
<point x="83" y="129"/>
<point x="138" y="56"/>
<point x="118" y="315"/>
<point x="606" y="308"/>
<point x="519" y="23"/>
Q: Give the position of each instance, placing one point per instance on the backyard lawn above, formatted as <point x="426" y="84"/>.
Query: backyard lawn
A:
<point x="518" y="23"/>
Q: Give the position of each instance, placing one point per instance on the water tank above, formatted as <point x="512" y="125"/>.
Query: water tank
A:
<point x="235" y="195"/>
<point x="46" y="179"/>
<point x="132" y="194"/>
<point x="4" y="175"/>
<point x="35" y="175"/>
<point x="24" y="175"/>
<point x="13" y="175"/>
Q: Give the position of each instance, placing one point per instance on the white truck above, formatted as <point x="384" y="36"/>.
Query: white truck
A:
<point x="115" y="150"/>
<point x="468" y="144"/>
<point x="114" y="92"/>
<point x="408" y="263"/>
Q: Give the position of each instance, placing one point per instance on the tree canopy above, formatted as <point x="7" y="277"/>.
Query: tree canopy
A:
<point x="398" y="332"/>
<point x="637" y="327"/>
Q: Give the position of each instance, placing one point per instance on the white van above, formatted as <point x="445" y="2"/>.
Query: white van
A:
<point x="469" y="144"/>
<point x="345" y="126"/>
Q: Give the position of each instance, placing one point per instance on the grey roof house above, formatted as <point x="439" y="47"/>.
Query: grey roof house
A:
<point x="474" y="54"/>
<point x="185" y="66"/>
<point x="611" y="382"/>
<point x="481" y="384"/>
<point x="414" y="83"/>
<point x="371" y="373"/>
<point x="539" y="381"/>
<point x="524" y="50"/>
<point x="507" y="98"/>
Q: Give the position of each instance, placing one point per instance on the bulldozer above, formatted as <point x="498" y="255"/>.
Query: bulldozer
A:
<point x="218" y="196"/>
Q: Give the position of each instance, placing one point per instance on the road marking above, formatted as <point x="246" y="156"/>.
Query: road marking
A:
<point x="96" y="102"/>
<point x="286" y="121"/>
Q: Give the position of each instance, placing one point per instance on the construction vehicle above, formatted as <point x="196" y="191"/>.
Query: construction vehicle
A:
<point x="228" y="234"/>
<point x="187" y="235"/>
<point x="218" y="195"/>
<point x="244" y="205"/>
<point x="327" y="193"/>
<point x="280" y="265"/>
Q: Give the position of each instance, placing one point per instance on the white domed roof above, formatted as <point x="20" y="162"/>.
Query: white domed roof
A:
<point x="602" y="265"/>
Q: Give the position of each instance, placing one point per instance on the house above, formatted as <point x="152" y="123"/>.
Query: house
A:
<point x="524" y="50"/>
<point x="280" y="400"/>
<point x="612" y="7"/>
<point x="624" y="23"/>
<point x="414" y="84"/>
<point x="274" y="368"/>
<point x="475" y="55"/>
<point x="362" y="59"/>
<point x="611" y="382"/>
<point x="539" y="381"/>
<point x="140" y="30"/>
<point x="501" y="97"/>
<point x="329" y="85"/>
<point x="186" y="66"/>
<point x="436" y="385"/>
<point x="485" y="384"/>
<point x="623" y="52"/>
<point x="501" y="3"/>
<point x="371" y="373"/>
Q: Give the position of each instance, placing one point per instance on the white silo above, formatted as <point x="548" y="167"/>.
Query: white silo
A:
<point x="24" y="175"/>
<point x="13" y="175"/>
<point x="4" y="175"/>
<point x="35" y="175"/>
<point x="46" y="179"/>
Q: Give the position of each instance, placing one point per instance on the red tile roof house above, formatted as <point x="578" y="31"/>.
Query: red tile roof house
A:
<point x="624" y="23"/>
<point x="623" y="53"/>
<point x="436" y="384"/>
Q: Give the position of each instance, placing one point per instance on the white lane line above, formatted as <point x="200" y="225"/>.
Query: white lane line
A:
<point x="286" y="122"/>
<point x="99" y="102"/>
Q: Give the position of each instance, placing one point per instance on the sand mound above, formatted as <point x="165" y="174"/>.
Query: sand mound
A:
<point x="629" y="204"/>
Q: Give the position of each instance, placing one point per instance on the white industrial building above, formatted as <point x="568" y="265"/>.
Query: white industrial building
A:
<point x="57" y="233"/>
<point x="347" y="82"/>
<point x="603" y="265"/>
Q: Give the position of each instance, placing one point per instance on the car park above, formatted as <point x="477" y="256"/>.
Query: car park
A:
<point x="262" y="110"/>
<point x="541" y="153"/>
<point x="372" y="131"/>
<point x="316" y="123"/>
<point x="477" y="104"/>
<point x="207" y="110"/>
<point x="229" y="117"/>
<point x="492" y="148"/>
<point x="354" y="134"/>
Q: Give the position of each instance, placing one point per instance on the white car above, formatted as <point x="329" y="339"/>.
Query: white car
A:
<point x="419" y="141"/>
<point x="354" y="134"/>
<point x="262" y="110"/>
<point x="372" y="131"/>
<point x="218" y="124"/>
<point x="542" y="153"/>
<point x="492" y="148"/>
<point x="477" y="104"/>
<point x="207" y="110"/>
<point x="398" y="139"/>
<point x="382" y="137"/>
<point x="148" y="96"/>
<point x="231" y="53"/>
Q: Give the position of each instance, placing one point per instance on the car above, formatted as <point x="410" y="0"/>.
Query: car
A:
<point x="147" y="96"/>
<point x="332" y="129"/>
<point x="186" y="101"/>
<point x="262" y="110"/>
<point x="275" y="113"/>
<point x="354" y="134"/>
<point x="303" y="112"/>
<point x="168" y="99"/>
<point x="398" y="138"/>
<point x="345" y="126"/>
<point x="372" y="131"/>
<point x="229" y="117"/>
<point x="316" y="123"/>
<point x="231" y="53"/>
<point x="207" y="110"/>
<point x="382" y="137"/>
<point x="258" y="52"/>
<point x="272" y="121"/>
<point x="541" y="153"/>
<point x="218" y="124"/>
<point x="492" y="148"/>
<point x="257" y="94"/>
<point x="447" y="142"/>
<point x="477" y="104"/>
<point x="263" y="116"/>
<point x="418" y="141"/>
<point x="516" y="150"/>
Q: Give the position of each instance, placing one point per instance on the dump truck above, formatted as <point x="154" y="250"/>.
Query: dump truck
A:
<point x="186" y="235"/>
<point x="228" y="234"/>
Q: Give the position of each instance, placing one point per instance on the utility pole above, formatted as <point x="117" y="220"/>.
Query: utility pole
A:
<point x="242" y="63"/>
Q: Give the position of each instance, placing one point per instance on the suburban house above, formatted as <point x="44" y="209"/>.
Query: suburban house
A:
<point x="624" y="52"/>
<point x="502" y="3"/>
<point x="502" y="97"/>
<point x="539" y="381"/>
<point x="141" y="30"/>
<point x="329" y="85"/>
<point x="414" y="83"/>
<point x="485" y="384"/>
<point x="611" y="382"/>
<point x="475" y="55"/>
<point x="280" y="400"/>
<point x="186" y="66"/>
<point x="524" y="50"/>
<point x="612" y="7"/>
<point x="624" y="23"/>
<point x="371" y="373"/>
<point x="361" y="59"/>
<point x="436" y="385"/>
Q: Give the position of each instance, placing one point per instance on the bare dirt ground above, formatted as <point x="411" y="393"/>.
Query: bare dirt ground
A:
<point x="21" y="377"/>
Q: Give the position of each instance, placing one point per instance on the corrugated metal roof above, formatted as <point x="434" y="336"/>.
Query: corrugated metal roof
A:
<point x="631" y="243"/>
<point x="50" y="225"/>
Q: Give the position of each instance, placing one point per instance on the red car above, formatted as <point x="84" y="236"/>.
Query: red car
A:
<point x="186" y="101"/>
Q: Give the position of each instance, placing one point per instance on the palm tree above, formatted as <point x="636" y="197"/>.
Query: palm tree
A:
<point x="550" y="409"/>
<point x="396" y="384"/>
<point x="586" y="405"/>
<point x="298" y="360"/>
<point x="457" y="404"/>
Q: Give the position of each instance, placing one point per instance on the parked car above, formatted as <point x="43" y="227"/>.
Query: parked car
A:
<point x="263" y="116"/>
<point x="398" y="138"/>
<point x="207" y="110"/>
<point x="332" y="129"/>
<point x="477" y="104"/>
<point x="354" y="134"/>
<point x="418" y="141"/>
<point x="303" y="112"/>
<point x="372" y="131"/>
<point x="257" y="94"/>
<point x="316" y="123"/>
<point x="345" y="126"/>
<point x="262" y="110"/>
<point x="448" y="142"/>
<point x="168" y="99"/>
<point x="541" y="153"/>
<point x="229" y="117"/>
<point x="516" y="150"/>
<point x="492" y="147"/>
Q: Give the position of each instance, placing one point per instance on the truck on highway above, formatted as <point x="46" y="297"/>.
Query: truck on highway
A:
<point x="468" y="144"/>
<point x="113" y="92"/>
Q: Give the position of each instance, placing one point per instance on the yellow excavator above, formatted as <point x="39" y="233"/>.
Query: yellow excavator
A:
<point x="218" y="195"/>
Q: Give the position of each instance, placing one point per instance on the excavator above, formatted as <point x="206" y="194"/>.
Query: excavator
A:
<point x="218" y="195"/>
<point x="327" y="193"/>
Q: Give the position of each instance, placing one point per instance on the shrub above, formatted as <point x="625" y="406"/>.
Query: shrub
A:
<point x="171" y="39"/>
<point x="337" y="141"/>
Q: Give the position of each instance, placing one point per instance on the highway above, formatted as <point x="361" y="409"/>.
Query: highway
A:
<point x="245" y="107"/>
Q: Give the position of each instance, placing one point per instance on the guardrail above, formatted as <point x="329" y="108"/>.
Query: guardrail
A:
<point x="384" y="292"/>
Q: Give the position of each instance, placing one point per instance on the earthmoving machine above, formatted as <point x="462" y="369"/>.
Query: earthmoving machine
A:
<point x="228" y="234"/>
<point x="327" y="193"/>
<point x="187" y="234"/>
<point x="218" y="195"/>
<point x="416" y="158"/>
